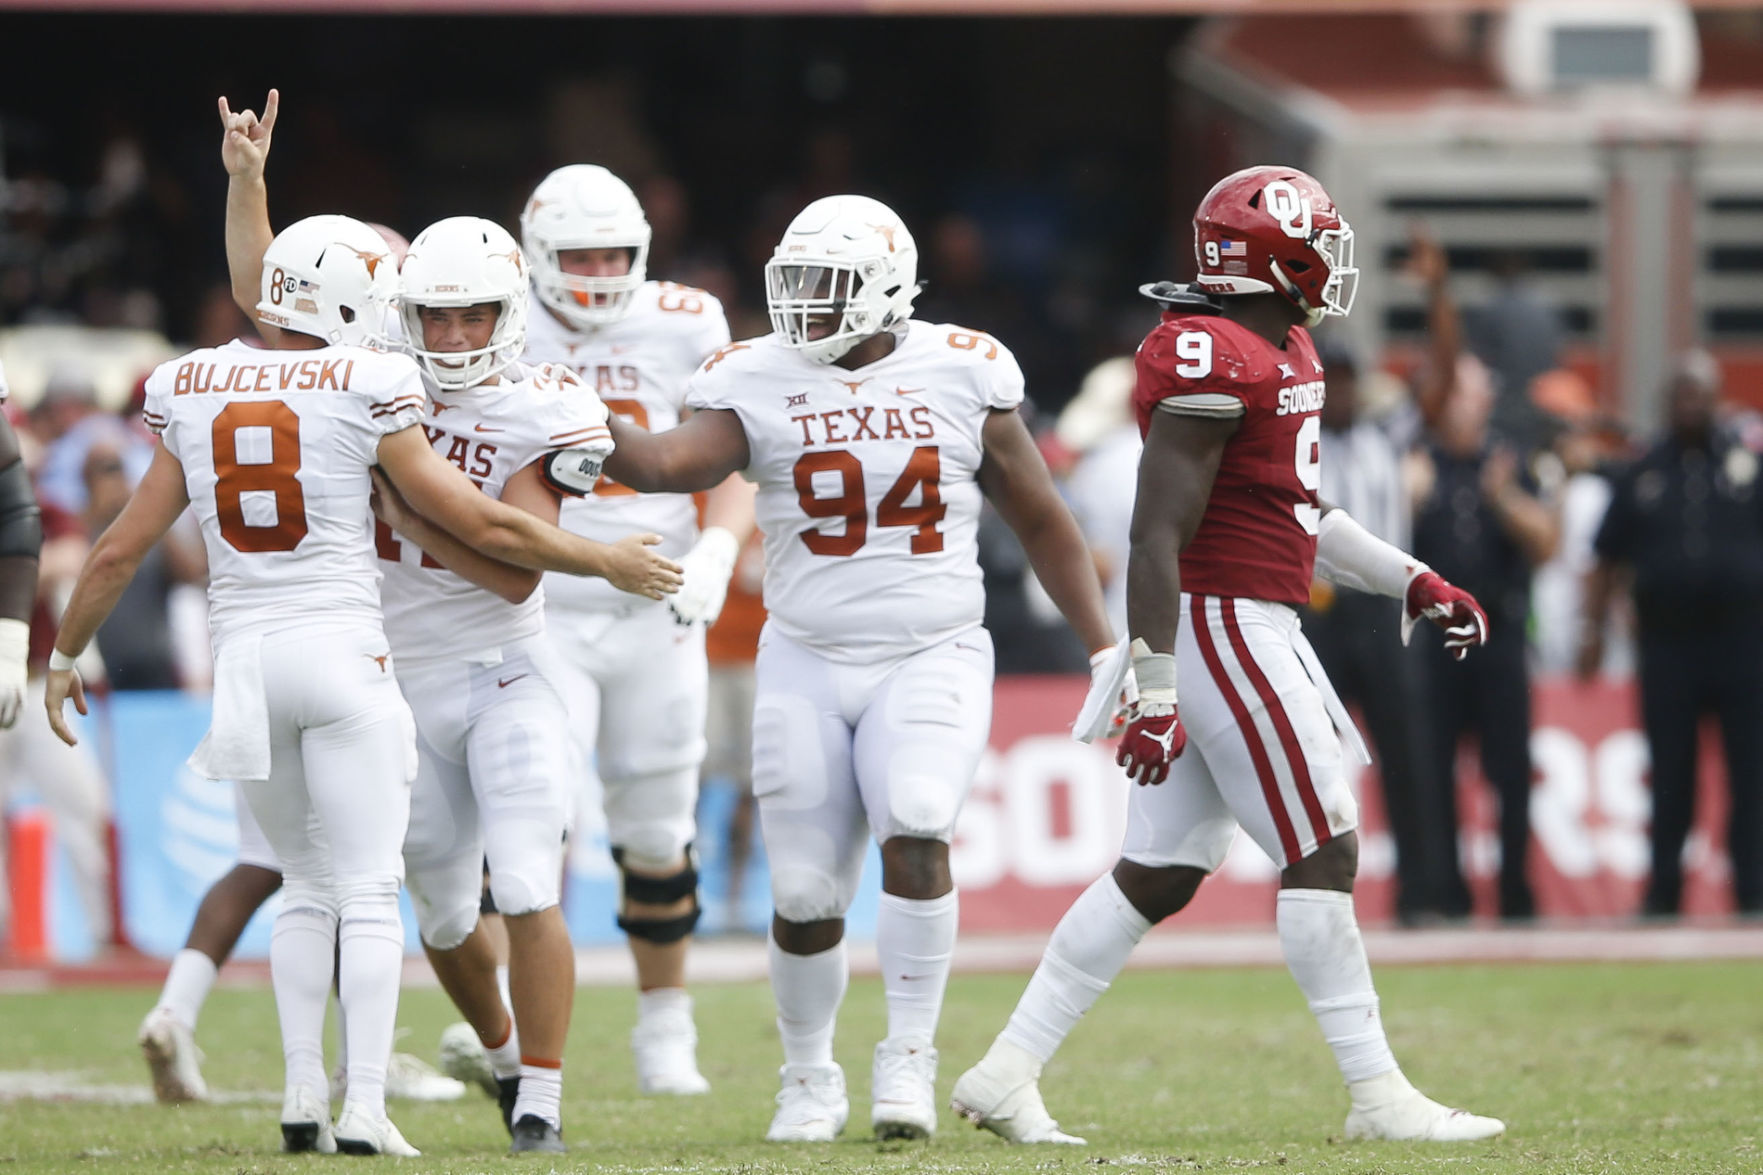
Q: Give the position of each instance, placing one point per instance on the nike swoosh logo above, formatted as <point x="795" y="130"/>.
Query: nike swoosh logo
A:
<point x="440" y="407"/>
<point x="907" y="391"/>
<point x="481" y="428"/>
<point x="505" y="682"/>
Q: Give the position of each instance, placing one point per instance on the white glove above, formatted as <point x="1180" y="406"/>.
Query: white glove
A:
<point x="1113" y="691"/>
<point x="15" y="647"/>
<point x="707" y="568"/>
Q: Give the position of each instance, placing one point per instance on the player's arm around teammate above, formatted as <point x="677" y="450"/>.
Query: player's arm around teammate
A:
<point x="449" y="499"/>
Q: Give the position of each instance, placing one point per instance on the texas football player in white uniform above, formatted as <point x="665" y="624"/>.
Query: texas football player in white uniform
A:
<point x="274" y="450"/>
<point x="638" y="678"/>
<point x="478" y="668"/>
<point x="871" y="439"/>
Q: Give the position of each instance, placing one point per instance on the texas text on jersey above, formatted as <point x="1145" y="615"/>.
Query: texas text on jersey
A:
<point x="638" y="366"/>
<point x="490" y="432"/>
<point x="1257" y="538"/>
<point x="868" y="497"/>
<point x="275" y="447"/>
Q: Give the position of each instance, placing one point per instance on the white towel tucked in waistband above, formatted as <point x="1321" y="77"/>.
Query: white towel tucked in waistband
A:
<point x="1331" y="701"/>
<point x="236" y="746"/>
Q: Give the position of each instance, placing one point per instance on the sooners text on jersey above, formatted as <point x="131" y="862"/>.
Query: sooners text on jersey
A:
<point x="1257" y="538"/>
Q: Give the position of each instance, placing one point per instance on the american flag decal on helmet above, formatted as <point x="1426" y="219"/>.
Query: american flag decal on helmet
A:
<point x="1233" y="248"/>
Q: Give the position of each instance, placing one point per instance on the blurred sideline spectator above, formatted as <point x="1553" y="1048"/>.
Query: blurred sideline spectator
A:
<point x="1685" y="530"/>
<point x="1574" y="472"/>
<point x="1517" y="333"/>
<point x="1356" y="635"/>
<point x="1098" y="427"/>
<point x="1479" y="523"/>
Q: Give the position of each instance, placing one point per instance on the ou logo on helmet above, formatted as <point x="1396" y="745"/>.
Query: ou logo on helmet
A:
<point x="1288" y="206"/>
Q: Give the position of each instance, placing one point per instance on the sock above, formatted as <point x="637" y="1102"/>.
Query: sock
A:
<point x="371" y="967"/>
<point x="300" y="972"/>
<point x="502" y="985"/>
<point x="808" y="990"/>
<point x="504" y="1054"/>
<point x="1319" y="935"/>
<point x="187" y="985"/>
<point x="661" y="1000"/>
<point x="541" y="1090"/>
<point x="1088" y="948"/>
<point x="914" y="944"/>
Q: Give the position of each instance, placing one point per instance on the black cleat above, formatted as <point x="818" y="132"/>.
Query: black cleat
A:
<point x="509" y="1090"/>
<point x="533" y="1133"/>
<point x="299" y="1137"/>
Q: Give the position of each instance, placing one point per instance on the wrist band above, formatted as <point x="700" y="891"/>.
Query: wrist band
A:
<point x="59" y="661"/>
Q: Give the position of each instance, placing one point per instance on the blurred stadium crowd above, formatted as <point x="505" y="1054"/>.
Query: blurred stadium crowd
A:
<point x="1599" y="544"/>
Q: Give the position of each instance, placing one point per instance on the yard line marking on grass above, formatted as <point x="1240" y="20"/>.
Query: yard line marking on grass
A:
<point x="54" y="1085"/>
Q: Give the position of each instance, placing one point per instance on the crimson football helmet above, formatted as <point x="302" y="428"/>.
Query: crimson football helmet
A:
<point x="1274" y="230"/>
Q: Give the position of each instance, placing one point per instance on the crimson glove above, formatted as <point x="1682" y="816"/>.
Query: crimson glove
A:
<point x="1431" y="596"/>
<point x="1153" y="740"/>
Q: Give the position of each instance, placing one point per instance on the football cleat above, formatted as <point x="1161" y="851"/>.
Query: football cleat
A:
<point x="1007" y="1101"/>
<point x="533" y="1133"/>
<point x="359" y="1133"/>
<point x="903" y="1090"/>
<point x="172" y="1058"/>
<point x="665" y="1045"/>
<point x="1388" y="1107"/>
<point x="811" y="1106"/>
<point x="306" y="1123"/>
<point x="463" y="1058"/>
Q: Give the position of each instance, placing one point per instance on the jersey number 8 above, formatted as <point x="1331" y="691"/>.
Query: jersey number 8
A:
<point x="274" y="473"/>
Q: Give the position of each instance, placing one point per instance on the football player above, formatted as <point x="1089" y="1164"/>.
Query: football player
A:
<point x="274" y="449"/>
<point x="167" y="1032"/>
<point x="21" y="535"/>
<point x="468" y="634"/>
<point x="1226" y="530"/>
<point x="871" y="438"/>
<point x="638" y="678"/>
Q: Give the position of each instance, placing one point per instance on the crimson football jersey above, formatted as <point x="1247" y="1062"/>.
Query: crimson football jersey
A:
<point x="1257" y="538"/>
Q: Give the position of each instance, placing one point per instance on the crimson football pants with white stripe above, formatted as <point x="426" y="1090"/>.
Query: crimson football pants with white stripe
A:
<point x="1262" y="752"/>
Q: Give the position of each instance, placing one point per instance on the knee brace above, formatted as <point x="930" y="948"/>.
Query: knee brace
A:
<point x="660" y="891"/>
<point x="21" y="524"/>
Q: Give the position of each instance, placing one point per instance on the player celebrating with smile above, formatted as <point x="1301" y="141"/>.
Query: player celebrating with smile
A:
<point x="1226" y="530"/>
<point x="871" y="439"/>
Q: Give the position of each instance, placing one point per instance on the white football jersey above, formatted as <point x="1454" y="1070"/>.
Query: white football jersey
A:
<point x="3" y="391"/>
<point x="491" y="432"/>
<point x="275" y="447"/>
<point x="639" y="366"/>
<point x="869" y="496"/>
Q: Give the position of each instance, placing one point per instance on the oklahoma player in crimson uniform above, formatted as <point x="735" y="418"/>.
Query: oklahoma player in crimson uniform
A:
<point x="1226" y="532"/>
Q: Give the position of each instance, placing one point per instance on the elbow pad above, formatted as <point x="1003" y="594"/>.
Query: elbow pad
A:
<point x="21" y="524"/>
<point x="1351" y="556"/>
<point x="575" y="472"/>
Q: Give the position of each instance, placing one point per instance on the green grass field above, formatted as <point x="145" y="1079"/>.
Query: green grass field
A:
<point x="1596" y="1068"/>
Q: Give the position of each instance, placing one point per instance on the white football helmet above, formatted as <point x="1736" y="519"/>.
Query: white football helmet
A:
<point x="847" y="257"/>
<point x="331" y="277"/>
<point x="584" y="206"/>
<point x="466" y="261"/>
